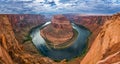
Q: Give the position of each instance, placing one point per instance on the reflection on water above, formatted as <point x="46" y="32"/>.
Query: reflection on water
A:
<point x="59" y="54"/>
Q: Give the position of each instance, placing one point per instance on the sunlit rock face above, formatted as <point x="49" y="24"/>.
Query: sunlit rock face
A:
<point x="106" y="47"/>
<point x="11" y="50"/>
<point x="59" y="31"/>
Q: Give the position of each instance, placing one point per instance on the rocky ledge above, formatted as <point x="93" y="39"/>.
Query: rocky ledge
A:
<point x="59" y="31"/>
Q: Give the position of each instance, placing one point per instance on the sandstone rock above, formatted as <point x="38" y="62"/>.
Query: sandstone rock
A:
<point x="4" y="56"/>
<point x="23" y="23"/>
<point x="12" y="52"/>
<point x="59" y="31"/>
<point x="93" y="23"/>
<point x="114" y="58"/>
<point x="106" y="39"/>
<point x="105" y="47"/>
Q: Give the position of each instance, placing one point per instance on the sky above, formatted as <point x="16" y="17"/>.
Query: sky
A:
<point x="59" y="6"/>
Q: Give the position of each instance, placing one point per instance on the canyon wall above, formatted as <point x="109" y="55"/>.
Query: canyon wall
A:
<point x="106" y="44"/>
<point x="104" y="49"/>
<point x="12" y="51"/>
<point x="22" y="24"/>
<point x="22" y="20"/>
<point x="93" y="23"/>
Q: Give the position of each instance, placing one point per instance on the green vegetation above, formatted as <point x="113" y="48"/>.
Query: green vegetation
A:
<point x="27" y="38"/>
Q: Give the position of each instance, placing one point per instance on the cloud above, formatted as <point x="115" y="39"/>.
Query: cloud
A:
<point x="39" y="1"/>
<point x="60" y="6"/>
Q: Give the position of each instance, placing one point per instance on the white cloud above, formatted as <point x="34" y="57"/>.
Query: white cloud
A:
<point x="50" y="0"/>
<point x="23" y="0"/>
<point x="58" y="6"/>
<point x="39" y="1"/>
<point x="57" y="2"/>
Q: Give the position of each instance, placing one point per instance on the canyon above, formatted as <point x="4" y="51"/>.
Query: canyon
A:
<point x="104" y="41"/>
<point x="11" y="50"/>
<point x="93" y="23"/>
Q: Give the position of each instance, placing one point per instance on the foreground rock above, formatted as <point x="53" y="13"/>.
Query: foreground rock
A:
<point x="106" y="45"/>
<point x="12" y="52"/>
<point x="59" y="31"/>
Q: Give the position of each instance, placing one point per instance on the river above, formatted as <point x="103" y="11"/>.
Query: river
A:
<point x="74" y="50"/>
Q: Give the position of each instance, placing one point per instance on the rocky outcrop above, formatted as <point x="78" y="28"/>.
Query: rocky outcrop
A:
<point x="59" y="31"/>
<point x="108" y="37"/>
<point x="12" y="52"/>
<point x="114" y="58"/>
<point x="4" y="56"/>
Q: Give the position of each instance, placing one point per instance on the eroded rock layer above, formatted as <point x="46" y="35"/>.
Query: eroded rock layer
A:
<point x="59" y="31"/>
<point x="11" y="51"/>
<point x="106" y="45"/>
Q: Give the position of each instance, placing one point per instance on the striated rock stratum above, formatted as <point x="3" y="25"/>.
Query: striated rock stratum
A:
<point x="13" y="52"/>
<point x="106" y="47"/>
<point x="59" y="31"/>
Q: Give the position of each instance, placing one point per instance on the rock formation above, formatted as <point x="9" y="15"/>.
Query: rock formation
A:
<point x="23" y="23"/>
<point x="90" y="21"/>
<point x="105" y="49"/>
<point x="59" y="31"/>
<point x="106" y="44"/>
<point x="11" y="51"/>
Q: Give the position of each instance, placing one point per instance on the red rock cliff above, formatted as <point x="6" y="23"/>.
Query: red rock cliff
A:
<point x="23" y="23"/>
<point x="93" y="23"/>
<point x="106" y="44"/>
<point x="12" y="52"/>
<point x="105" y="48"/>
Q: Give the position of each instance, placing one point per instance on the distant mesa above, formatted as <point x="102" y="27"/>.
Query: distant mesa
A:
<point x="59" y="31"/>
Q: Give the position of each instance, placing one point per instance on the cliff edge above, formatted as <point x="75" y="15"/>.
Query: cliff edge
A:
<point x="106" y="44"/>
<point x="11" y="51"/>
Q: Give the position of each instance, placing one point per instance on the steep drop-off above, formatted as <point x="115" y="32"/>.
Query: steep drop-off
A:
<point x="22" y="23"/>
<point x="105" y="48"/>
<point x="12" y="52"/>
<point x="93" y="23"/>
<point x="106" y="44"/>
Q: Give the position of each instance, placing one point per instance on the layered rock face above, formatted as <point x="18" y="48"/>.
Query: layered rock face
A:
<point x="90" y="21"/>
<point x="106" y="45"/>
<point x="23" y="23"/>
<point x="59" y="31"/>
<point x="104" y="50"/>
<point x="93" y="23"/>
<point x="13" y="52"/>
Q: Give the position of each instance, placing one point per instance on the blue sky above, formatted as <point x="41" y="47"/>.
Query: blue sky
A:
<point x="59" y="6"/>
